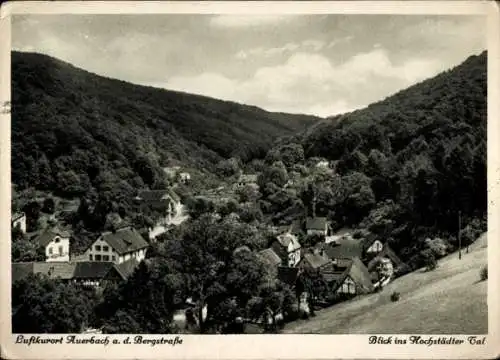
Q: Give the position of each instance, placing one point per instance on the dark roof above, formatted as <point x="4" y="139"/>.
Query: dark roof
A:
<point x="288" y="275"/>
<point x="155" y="195"/>
<point x="48" y="235"/>
<point x="91" y="269"/>
<point x="65" y="270"/>
<point x="346" y="249"/>
<point x="125" y="240"/>
<point x="317" y="223"/>
<point x="269" y="257"/>
<point x="127" y="268"/>
<point x="17" y="215"/>
<point x="21" y="270"/>
<point x="54" y="270"/>
<point x="315" y="260"/>
<point x="359" y="273"/>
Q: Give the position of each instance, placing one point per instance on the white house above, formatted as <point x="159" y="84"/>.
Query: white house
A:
<point x="117" y="246"/>
<point x="56" y="243"/>
<point x="184" y="177"/>
<point x="19" y="220"/>
<point x="317" y="226"/>
<point x="287" y="247"/>
<point x="375" y="247"/>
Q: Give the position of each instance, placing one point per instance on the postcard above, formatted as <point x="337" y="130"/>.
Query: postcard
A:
<point x="249" y="180"/>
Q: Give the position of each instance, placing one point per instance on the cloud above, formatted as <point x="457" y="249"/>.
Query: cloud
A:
<point x="339" y="41"/>
<point x="311" y="83"/>
<point x="241" y="21"/>
<point x="316" y="45"/>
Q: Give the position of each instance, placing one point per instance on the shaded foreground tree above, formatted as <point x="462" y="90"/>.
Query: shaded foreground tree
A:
<point x="42" y="305"/>
<point x="144" y="304"/>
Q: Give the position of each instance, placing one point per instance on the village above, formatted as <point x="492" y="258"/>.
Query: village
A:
<point x="347" y="264"/>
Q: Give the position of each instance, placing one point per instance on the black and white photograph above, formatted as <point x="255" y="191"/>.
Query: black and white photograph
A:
<point x="218" y="173"/>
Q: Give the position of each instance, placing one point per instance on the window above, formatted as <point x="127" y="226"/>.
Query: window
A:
<point x="98" y="248"/>
<point x="50" y="251"/>
<point x="57" y="239"/>
<point x="105" y="258"/>
<point x="113" y="258"/>
<point x="105" y="248"/>
<point x="60" y="250"/>
<point x="98" y="258"/>
<point x="90" y="257"/>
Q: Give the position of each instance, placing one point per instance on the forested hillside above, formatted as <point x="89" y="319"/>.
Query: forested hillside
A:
<point x="73" y="130"/>
<point x="404" y="167"/>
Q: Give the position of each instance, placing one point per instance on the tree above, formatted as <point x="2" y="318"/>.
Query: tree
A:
<point x="32" y="211"/>
<point x="229" y="167"/>
<point x="199" y="206"/>
<point x="49" y="205"/>
<point x="42" y="305"/>
<point x="212" y="272"/>
<point x="143" y="304"/>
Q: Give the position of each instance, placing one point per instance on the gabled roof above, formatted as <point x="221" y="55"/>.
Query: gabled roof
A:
<point x="359" y="273"/>
<point x="156" y="195"/>
<point x="288" y="275"/>
<point x="316" y="223"/>
<point x="386" y="252"/>
<point x="127" y="268"/>
<point x="315" y="261"/>
<point x="17" y="215"/>
<point x="125" y="240"/>
<point x="48" y="235"/>
<point x="91" y="269"/>
<point x="346" y="249"/>
<point x="286" y="239"/>
<point x="269" y="257"/>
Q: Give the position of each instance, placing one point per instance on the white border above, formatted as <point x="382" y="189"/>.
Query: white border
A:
<point x="259" y="346"/>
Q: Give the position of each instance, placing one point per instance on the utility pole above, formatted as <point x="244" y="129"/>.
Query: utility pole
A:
<point x="459" y="237"/>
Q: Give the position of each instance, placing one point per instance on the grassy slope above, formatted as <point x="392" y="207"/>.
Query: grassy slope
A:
<point x="448" y="300"/>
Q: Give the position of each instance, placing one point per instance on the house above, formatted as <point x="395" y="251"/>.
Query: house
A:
<point x="314" y="261"/>
<point x="171" y="171"/>
<point x="56" y="243"/>
<point x="344" y="249"/>
<point x="287" y="247"/>
<point x="184" y="177"/>
<point x="18" y="219"/>
<point x="247" y="179"/>
<point x="166" y="201"/>
<point x="117" y="246"/>
<point x="387" y="256"/>
<point x="353" y="280"/>
<point x="324" y="164"/>
<point x="86" y="273"/>
<point x="317" y="226"/>
<point x="339" y="236"/>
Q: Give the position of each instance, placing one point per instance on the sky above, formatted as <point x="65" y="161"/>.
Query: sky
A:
<point x="311" y="64"/>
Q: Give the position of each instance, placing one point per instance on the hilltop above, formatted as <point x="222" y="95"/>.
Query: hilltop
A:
<point x="73" y="130"/>
<point x="404" y="168"/>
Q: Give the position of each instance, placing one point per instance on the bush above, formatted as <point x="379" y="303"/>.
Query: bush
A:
<point x="429" y="260"/>
<point x="395" y="296"/>
<point x="484" y="273"/>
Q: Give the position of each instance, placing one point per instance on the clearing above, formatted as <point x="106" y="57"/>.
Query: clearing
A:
<point x="449" y="300"/>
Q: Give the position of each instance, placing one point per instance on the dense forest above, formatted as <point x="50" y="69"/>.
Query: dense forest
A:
<point x="405" y="167"/>
<point x="74" y="131"/>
